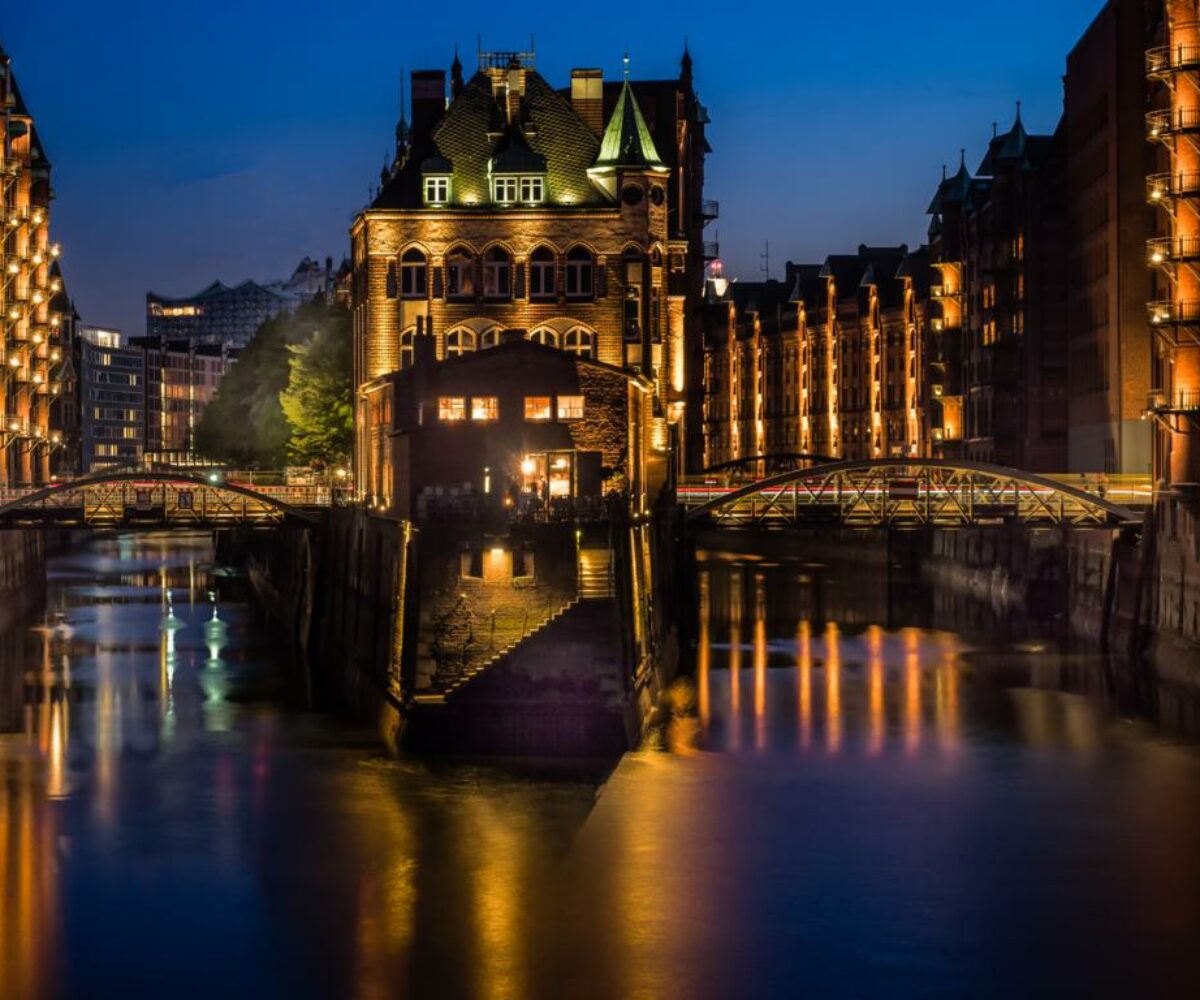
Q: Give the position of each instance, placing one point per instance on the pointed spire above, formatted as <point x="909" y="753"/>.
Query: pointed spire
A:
<point x="456" y="75"/>
<point x="1018" y="112"/>
<point x="685" y="63"/>
<point x="627" y="141"/>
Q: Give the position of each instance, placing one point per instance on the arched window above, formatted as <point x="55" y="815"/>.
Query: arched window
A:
<point x="541" y="274"/>
<point x="459" y="342"/>
<point x="544" y="335"/>
<point x="656" y="257"/>
<point x="497" y="274"/>
<point x="579" y="273"/>
<point x="579" y="340"/>
<point x="407" y="339"/>
<point x="412" y="275"/>
<point x="460" y="274"/>
<point x="489" y="338"/>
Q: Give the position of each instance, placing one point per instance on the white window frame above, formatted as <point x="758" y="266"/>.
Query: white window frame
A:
<point x="533" y="190"/>
<point x="504" y="190"/>
<point x="437" y="190"/>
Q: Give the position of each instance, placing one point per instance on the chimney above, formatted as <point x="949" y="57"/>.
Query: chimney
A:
<point x="587" y="97"/>
<point x="428" y="101"/>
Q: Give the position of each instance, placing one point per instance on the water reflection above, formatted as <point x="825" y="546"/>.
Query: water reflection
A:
<point x="848" y="803"/>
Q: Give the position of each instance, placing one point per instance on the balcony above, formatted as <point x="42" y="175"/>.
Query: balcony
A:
<point x="1172" y="250"/>
<point x="1169" y="122"/>
<point x="709" y="210"/>
<point x="1178" y="401"/>
<point x="1172" y="313"/>
<point x="1164" y="60"/>
<point x="711" y="249"/>
<point x="1160" y="187"/>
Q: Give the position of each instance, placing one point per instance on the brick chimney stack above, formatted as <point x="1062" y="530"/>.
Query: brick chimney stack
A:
<point x="428" y="101"/>
<point x="587" y="97"/>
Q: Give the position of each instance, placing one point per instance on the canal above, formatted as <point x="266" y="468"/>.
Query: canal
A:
<point x="862" y="790"/>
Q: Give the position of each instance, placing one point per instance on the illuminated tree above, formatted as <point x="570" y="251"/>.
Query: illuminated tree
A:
<point x="318" y="402"/>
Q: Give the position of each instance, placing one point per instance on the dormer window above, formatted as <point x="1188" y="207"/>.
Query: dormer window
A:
<point x="511" y="190"/>
<point x="533" y="190"/>
<point x="437" y="190"/>
<point x="505" y="190"/>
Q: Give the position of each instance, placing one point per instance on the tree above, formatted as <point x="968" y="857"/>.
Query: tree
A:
<point x="244" y="425"/>
<point x="318" y="402"/>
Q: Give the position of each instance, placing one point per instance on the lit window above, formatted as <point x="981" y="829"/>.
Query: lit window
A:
<point x="452" y="409"/>
<point x="485" y="408"/>
<point x="505" y="190"/>
<point x="545" y="337"/>
<point x="570" y="407"/>
<point x="489" y="338"/>
<point x="437" y="190"/>
<point x="412" y="275"/>
<point x="407" y="347"/>
<point x="532" y="190"/>
<point x="537" y="408"/>
<point x="541" y="273"/>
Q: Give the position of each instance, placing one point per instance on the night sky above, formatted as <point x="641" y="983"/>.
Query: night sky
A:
<point x="227" y="140"/>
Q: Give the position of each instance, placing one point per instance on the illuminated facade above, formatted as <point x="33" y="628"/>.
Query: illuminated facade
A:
<point x="998" y="241"/>
<point x="112" y="401"/>
<point x="575" y="216"/>
<point x="32" y="351"/>
<point x="180" y="380"/>
<point x="829" y="362"/>
<point x="1173" y="68"/>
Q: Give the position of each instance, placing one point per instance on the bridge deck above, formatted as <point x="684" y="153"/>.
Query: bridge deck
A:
<point x="901" y="492"/>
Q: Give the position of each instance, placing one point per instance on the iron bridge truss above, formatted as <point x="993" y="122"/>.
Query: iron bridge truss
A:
<point x="904" y="493"/>
<point x="148" y="500"/>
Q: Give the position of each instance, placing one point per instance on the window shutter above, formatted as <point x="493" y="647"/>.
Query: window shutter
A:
<point x="438" y="281"/>
<point x="519" y="281"/>
<point x="391" y="281"/>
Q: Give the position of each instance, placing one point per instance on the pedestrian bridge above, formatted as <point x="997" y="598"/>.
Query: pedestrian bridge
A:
<point x="150" y="500"/>
<point x="907" y="493"/>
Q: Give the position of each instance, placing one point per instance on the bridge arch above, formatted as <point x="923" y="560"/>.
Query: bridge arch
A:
<point x="907" y="492"/>
<point x="158" y="500"/>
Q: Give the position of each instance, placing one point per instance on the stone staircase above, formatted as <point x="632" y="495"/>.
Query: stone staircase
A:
<point x="445" y="682"/>
<point x="595" y="574"/>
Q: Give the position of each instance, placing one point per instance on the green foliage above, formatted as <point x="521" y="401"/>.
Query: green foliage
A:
<point x="318" y="403"/>
<point x="245" y="426"/>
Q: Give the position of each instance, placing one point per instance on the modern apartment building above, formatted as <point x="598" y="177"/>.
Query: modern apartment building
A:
<point x="112" y="400"/>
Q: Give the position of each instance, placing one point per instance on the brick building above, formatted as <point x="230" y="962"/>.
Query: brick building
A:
<point x="999" y="243"/>
<point x="573" y="215"/>
<point x="33" y="356"/>
<point x="1109" y="221"/>
<point x="509" y="428"/>
<point x="829" y="362"/>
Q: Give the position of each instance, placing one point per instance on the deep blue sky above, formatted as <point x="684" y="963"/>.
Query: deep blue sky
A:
<point x="227" y="140"/>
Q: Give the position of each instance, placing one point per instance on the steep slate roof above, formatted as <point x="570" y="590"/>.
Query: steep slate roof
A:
<point x="471" y="130"/>
<point x="627" y="141"/>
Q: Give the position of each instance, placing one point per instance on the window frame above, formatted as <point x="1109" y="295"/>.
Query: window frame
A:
<point x="414" y="274"/>
<point x="440" y="182"/>
<point x="459" y="265"/>
<point x="539" y="269"/>
<point x="526" y="187"/>
<point x="567" y="410"/>
<point x="532" y="402"/>
<point x="579" y="265"/>
<point x="485" y="409"/>
<point x="584" y="345"/>
<point x="497" y="273"/>
<point x="505" y="189"/>
<point x="452" y="409"/>
<point x="464" y="342"/>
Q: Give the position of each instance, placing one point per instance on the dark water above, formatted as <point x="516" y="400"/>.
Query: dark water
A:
<point x="841" y="806"/>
